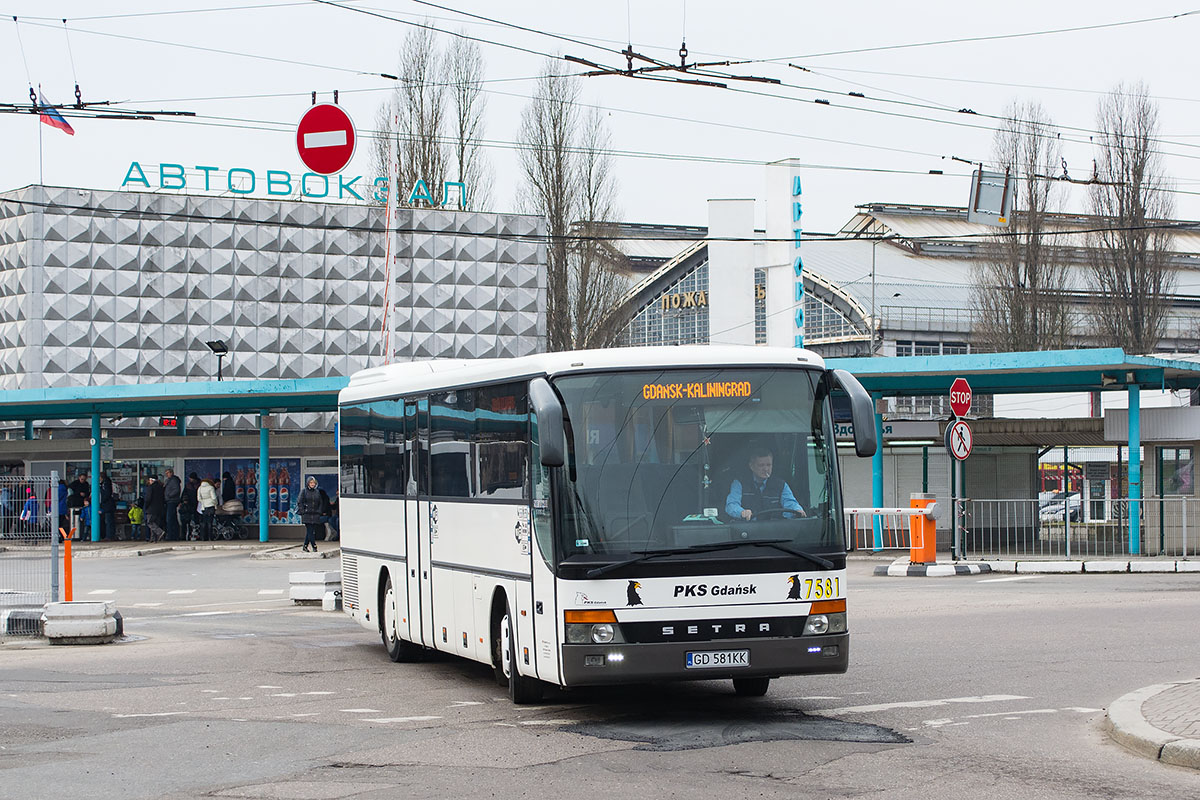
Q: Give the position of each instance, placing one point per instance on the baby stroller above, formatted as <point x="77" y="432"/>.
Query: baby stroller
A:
<point x="227" y="524"/>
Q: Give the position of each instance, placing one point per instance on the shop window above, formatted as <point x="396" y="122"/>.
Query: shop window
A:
<point x="1175" y="474"/>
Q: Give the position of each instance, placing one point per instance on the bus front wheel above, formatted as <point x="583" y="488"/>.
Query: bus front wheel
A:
<point x="521" y="689"/>
<point x="398" y="649"/>
<point x="751" y="687"/>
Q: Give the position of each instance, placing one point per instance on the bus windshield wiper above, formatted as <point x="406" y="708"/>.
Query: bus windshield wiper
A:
<point x="643" y="555"/>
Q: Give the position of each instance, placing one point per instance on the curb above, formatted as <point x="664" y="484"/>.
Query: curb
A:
<point x="1128" y="728"/>
<point x="904" y="569"/>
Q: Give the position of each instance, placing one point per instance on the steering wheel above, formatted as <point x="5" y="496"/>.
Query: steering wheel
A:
<point x="772" y="513"/>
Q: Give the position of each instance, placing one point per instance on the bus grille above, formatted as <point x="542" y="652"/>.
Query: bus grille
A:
<point x="349" y="581"/>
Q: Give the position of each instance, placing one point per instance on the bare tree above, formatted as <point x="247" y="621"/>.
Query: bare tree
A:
<point x="1129" y="259"/>
<point x="1020" y="290"/>
<point x="420" y="104"/>
<point x="547" y="132"/>
<point x="464" y="74"/>
<point x="568" y="177"/>
<point x="596" y="283"/>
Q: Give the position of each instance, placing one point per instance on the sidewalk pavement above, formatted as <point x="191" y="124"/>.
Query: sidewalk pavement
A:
<point x="901" y="567"/>
<point x="279" y="549"/>
<point x="1160" y="722"/>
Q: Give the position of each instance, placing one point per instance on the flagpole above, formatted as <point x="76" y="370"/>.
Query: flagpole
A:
<point x="41" y="179"/>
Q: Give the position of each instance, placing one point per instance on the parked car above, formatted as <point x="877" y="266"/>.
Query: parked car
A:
<point x="1052" y="511"/>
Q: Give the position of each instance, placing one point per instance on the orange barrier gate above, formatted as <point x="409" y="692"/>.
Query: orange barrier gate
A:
<point x="923" y="529"/>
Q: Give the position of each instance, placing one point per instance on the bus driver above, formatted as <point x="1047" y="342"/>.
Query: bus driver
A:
<point x="758" y="493"/>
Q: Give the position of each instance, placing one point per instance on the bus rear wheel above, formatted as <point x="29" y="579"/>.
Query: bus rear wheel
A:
<point x="398" y="649"/>
<point x="751" y="687"/>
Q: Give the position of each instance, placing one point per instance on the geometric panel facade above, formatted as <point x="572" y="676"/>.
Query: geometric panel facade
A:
<point x="104" y="287"/>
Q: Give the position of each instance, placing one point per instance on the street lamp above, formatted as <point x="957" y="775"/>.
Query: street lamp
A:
<point x="220" y="351"/>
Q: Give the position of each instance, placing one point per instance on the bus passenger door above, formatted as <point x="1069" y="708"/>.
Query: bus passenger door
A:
<point x="545" y="608"/>
<point x="422" y="523"/>
<point x="412" y="526"/>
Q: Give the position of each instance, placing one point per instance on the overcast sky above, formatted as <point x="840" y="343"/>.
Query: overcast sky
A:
<point x="730" y="134"/>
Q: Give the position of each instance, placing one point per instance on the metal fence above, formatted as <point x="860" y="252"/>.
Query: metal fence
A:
<point x="28" y="551"/>
<point x="1169" y="526"/>
<point x="880" y="528"/>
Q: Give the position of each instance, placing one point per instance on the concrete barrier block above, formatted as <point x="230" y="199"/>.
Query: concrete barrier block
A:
<point x="1105" y="566"/>
<point x="82" y="622"/>
<point x="1002" y="566"/>
<point x="332" y="601"/>
<point x="310" y="587"/>
<point x="1187" y="566"/>
<point x="1049" y="567"/>
<point x="1151" y="566"/>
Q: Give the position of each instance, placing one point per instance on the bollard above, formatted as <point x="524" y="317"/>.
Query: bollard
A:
<point x="922" y="530"/>
<point x="67" y="587"/>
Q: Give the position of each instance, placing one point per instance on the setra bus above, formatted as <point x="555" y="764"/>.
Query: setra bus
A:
<point x="602" y="517"/>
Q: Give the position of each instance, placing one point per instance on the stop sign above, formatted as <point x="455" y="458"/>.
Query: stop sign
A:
<point x="960" y="397"/>
<point x="325" y="139"/>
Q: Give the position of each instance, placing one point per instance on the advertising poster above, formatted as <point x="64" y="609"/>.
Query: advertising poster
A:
<point x="283" y="488"/>
<point x="209" y="468"/>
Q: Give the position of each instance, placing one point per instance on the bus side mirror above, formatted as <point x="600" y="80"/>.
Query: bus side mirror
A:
<point x="549" y="414"/>
<point x="862" y="412"/>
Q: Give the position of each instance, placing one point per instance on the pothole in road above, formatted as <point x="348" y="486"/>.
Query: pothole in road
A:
<point x="694" y="730"/>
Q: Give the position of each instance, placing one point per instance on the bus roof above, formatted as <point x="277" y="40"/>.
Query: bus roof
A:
<point x="434" y="374"/>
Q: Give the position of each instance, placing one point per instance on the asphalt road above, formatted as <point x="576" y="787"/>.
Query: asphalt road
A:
<point x="981" y="687"/>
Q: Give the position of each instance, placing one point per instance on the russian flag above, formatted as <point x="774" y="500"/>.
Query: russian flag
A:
<point x="51" y="117"/>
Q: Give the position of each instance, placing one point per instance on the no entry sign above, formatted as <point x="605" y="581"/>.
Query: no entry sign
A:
<point x="960" y="397"/>
<point x="958" y="439"/>
<point x="325" y="139"/>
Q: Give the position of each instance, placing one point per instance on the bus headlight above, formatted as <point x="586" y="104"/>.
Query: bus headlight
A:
<point x="593" y="633"/>
<point x="819" y="624"/>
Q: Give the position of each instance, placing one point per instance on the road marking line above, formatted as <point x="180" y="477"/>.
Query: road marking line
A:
<point x="988" y="698"/>
<point x="360" y="710"/>
<point x="402" y="719"/>
<point x="1012" y="713"/>
<point x="268" y="687"/>
<point x="182" y="591"/>
<point x="1004" y="580"/>
<point x="1083" y="710"/>
<point x="460" y="703"/>
<point x="310" y="714"/>
<point x="549" y="722"/>
<point x="103" y="591"/>
<point x="146" y="605"/>
<point x="325" y="139"/>
<point x="159" y="714"/>
<point x="206" y="613"/>
<point x="210" y="691"/>
<point x="320" y="692"/>
<point x="270" y="591"/>
<point x="284" y="694"/>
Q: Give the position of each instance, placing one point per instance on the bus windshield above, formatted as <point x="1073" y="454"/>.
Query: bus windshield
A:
<point x="697" y="459"/>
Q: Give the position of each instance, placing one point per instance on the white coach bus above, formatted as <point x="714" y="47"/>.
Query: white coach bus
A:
<point x="601" y="517"/>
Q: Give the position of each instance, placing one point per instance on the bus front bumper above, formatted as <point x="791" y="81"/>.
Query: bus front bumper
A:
<point x="593" y="664"/>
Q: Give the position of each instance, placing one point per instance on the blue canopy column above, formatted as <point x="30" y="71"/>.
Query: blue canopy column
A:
<point x="1135" y="469"/>
<point x="28" y="430"/>
<point x="263" y="464"/>
<point x="95" y="477"/>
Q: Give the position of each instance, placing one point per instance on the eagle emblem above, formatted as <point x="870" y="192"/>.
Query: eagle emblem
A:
<point x="632" y="594"/>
